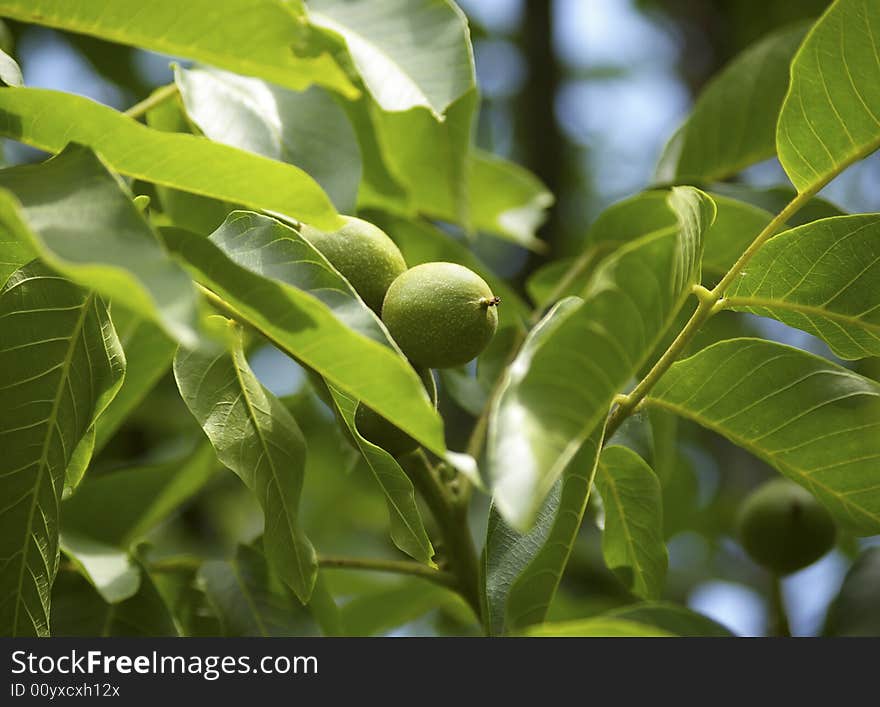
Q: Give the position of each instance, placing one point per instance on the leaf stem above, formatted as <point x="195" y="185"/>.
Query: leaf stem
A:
<point x="575" y="270"/>
<point x="779" y="625"/>
<point x="707" y="307"/>
<point x="157" y="97"/>
<point x="445" y="579"/>
<point x="452" y="521"/>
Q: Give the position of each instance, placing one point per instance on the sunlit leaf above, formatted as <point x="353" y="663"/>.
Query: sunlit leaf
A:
<point x="307" y="129"/>
<point x="254" y="37"/>
<point x="812" y="420"/>
<point x="50" y="120"/>
<point x="79" y="218"/>
<point x="556" y="394"/>
<point x="110" y="570"/>
<point x="831" y="114"/>
<point x="10" y="73"/>
<point x="647" y="619"/>
<point x="408" y="52"/>
<point x="823" y="278"/>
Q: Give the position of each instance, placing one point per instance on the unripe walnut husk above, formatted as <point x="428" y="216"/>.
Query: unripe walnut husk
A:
<point x="441" y="315"/>
<point x="784" y="528"/>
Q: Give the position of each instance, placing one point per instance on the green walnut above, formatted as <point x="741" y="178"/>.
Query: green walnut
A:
<point x="376" y="429"/>
<point x="440" y="314"/>
<point x="784" y="528"/>
<point x="363" y="254"/>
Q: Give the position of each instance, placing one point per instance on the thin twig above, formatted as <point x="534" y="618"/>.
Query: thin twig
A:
<point x="445" y="579"/>
<point x="157" y="97"/>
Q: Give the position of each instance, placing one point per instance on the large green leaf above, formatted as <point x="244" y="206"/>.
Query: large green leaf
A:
<point x="264" y="38"/>
<point x="409" y="53"/>
<point x="831" y="115"/>
<point x="430" y="159"/>
<point x="79" y="610"/>
<point x="522" y="571"/>
<point x="271" y="249"/>
<point x="118" y="508"/>
<point x="407" y="530"/>
<point x="251" y="600"/>
<point x="812" y="420"/>
<point x="257" y="437"/>
<point x="733" y="123"/>
<point x="79" y="218"/>
<point x="735" y="226"/>
<point x="632" y="539"/>
<point x="149" y="353"/>
<point x="556" y="394"/>
<point x="506" y="200"/>
<point x="60" y="365"/>
<point x="823" y="278"/>
<point x="50" y="120"/>
<point x="308" y="330"/>
<point x="307" y="129"/>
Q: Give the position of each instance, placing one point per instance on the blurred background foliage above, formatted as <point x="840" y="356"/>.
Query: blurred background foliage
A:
<point x="584" y="93"/>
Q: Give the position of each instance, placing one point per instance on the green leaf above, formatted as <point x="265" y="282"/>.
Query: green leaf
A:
<point x="670" y="617"/>
<point x="149" y="353"/>
<point x="199" y="214"/>
<point x="823" y="278"/>
<point x="522" y="570"/>
<point x="80" y="220"/>
<point x="430" y="159"/>
<point x="736" y="224"/>
<point x="598" y="627"/>
<point x="409" y="53"/>
<point x="261" y="38"/>
<point x="50" y="120"/>
<point x="775" y="199"/>
<point x="110" y="570"/>
<point x="733" y="123"/>
<point x="407" y="530"/>
<point x="273" y="250"/>
<point x="812" y="420"/>
<point x="119" y="508"/>
<point x="647" y="619"/>
<point x="79" y="460"/>
<point x="79" y="610"/>
<point x="831" y="114"/>
<point x="255" y="436"/>
<point x="377" y="612"/>
<point x="61" y="365"/>
<point x="305" y="328"/>
<point x="250" y="600"/>
<point x="507" y="200"/>
<point x="10" y="73"/>
<point x="632" y="539"/>
<point x="307" y="129"/>
<point x="556" y="394"/>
